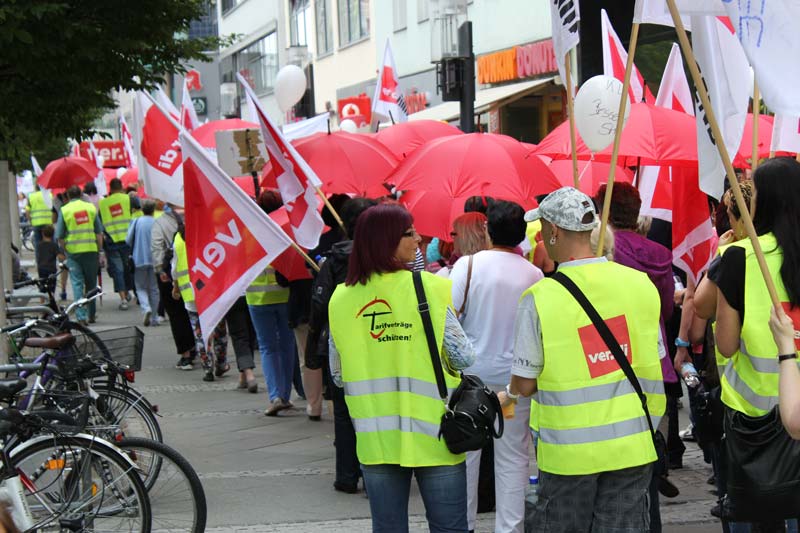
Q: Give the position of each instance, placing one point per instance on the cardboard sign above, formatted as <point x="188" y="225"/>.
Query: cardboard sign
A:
<point x="241" y="152"/>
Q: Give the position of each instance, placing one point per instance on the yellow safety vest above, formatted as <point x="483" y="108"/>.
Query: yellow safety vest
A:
<point x="79" y="219"/>
<point x="265" y="290"/>
<point x="41" y="215"/>
<point x="182" y="268"/>
<point x="531" y="229"/>
<point x="389" y="384"/>
<point x="115" y="212"/>
<point x="588" y="415"/>
<point x="750" y="380"/>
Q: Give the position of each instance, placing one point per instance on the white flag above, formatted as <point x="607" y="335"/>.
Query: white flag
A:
<point x="770" y="37"/>
<point x="37" y="169"/>
<point x="388" y="101"/>
<point x="565" y="17"/>
<point x="657" y="12"/>
<point x="47" y="196"/>
<point x="159" y="152"/>
<point x="304" y="128"/>
<point x="100" y="179"/>
<point x="786" y="134"/>
<point x="726" y="73"/>
<point x="188" y="114"/>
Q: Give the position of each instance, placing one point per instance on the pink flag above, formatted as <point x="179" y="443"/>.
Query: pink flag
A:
<point x="229" y="239"/>
<point x="188" y="115"/>
<point x="127" y="143"/>
<point x="296" y="180"/>
<point x="160" y="163"/>
<point x="388" y="101"/>
<point x="615" y="58"/>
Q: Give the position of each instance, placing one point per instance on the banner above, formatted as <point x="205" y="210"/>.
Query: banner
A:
<point x="565" y="17"/>
<point x="229" y="239"/>
<point x="388" y="100"/>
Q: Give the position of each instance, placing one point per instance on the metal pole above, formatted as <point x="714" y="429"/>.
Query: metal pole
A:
<point x="468" y="82"/>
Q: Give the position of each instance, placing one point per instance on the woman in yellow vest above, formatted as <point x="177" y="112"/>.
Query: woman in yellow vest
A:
<point x="379" y="352"/>
<point x="595" y="449"/>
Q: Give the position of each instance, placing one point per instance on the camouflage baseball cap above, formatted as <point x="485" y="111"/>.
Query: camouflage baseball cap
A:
<point x="567" y="208"/>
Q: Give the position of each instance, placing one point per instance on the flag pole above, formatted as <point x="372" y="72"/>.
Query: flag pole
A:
<point x="623" y="104"/>
<point x="754" y="160"/>
<point x="571" y="113"/>
<point x="302" y="252"/>
<point x="723" y="151"/>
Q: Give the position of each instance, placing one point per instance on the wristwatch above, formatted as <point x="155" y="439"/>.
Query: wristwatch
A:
<point x="680" y="343"/>
<point x="513" y="397"/>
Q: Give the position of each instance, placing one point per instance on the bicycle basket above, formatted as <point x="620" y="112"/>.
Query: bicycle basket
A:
<point x="125" y="346"/>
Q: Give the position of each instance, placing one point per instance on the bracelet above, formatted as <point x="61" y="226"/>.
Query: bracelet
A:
<point x="511" y="396"/>
<point x="786" y="357"/>
<point x="680" y="343"/>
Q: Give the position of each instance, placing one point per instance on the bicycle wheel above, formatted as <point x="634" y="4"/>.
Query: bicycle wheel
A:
<point x="177" y="498"/>
<point x="77" y="483"/>
<point x="129" y="410"/>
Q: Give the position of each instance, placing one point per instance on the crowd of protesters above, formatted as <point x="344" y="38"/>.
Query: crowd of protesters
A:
<point x="512" y="296"/>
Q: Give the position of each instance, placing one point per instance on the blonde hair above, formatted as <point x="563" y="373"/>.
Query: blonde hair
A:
<point x="643" y="225"/>
<point x="470" y="233"/>
<point x="608" y="245"/>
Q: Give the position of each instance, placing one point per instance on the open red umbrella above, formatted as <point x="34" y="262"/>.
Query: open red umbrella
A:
<point x="652" y="136"/>
<point x="66" y="172"/>
<point x="405" y="137"/>
<point x="591" y="174"/>
<point x="130" y="177"/>
<point x="440" y="175"/>
<point x="349" y="163"/>
<point x="206" y="134"/>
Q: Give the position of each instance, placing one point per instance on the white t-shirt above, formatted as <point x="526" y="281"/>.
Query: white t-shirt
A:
<point x="498" y="280"/>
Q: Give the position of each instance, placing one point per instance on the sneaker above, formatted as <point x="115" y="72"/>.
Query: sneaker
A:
<point x="277" y="406"/>
<point x="221" y="369"/>
<point x="129" y="297"/>
<point x="147" y="315"/>
<point x="184" y="364"/>
<point x="123" y="306"/>
<point x="687" y="434"/>
<point x="208" y="376"/>
<point x="63" y="295"/>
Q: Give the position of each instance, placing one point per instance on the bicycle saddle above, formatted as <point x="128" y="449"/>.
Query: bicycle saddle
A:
<point x="50" y="343"/>
<point x="10" y="387"/>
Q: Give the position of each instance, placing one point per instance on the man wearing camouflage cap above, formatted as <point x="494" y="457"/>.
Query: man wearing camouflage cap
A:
<point x="595" y="449"/>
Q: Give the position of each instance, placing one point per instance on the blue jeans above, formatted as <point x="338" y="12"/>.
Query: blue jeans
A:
<point x="117" y="256"/>
<point x="83" y="269"/>
<point x="276" y="345"/>
<point x="443" y="490"/>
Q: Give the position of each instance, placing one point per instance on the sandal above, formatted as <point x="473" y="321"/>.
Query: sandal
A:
<point x="220" y="370"/>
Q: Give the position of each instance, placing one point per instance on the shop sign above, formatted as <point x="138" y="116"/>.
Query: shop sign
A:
<point x="112" y="152"/>
<point x="193" y="82"/>
<point x="520" y="62"/>
<point x="356" y="108"/>
<point x="416" y="102"/>
<point x="200" y="105"/>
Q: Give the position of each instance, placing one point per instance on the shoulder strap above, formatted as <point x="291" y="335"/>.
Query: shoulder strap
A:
<point x="133" y="235"/>
<point x="608" y="338"/>
<point x="466" y="289"/>
<point x="425" y="313"/>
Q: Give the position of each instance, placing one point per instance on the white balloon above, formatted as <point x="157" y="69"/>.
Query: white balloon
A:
<point x="290" y="85"/>
<point x="597" y="109"/>
<point x="348" y="125"/>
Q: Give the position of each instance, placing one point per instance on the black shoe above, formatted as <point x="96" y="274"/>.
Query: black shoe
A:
<point x="315" y="418"/>
<point x="666" y="488"/>
<point x="717" y="510"/>
<point x="208" y="376"/>
<point x="712" y="480"/>
<point x="345" y="487"/>
<point x="675" y="464"/>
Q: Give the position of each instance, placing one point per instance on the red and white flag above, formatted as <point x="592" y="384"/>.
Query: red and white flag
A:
<point x="726" y="74"/>
<point x="768" y="33"/>
<point x="615" y="58"/>
<point x="37" y="171"/>
<point x="693" y="236"/>
<point x="785" y="134"/>
<point x="565" y="17"/>
<point x="159" y="152"/>
<point x="388" y="101"/>
<point x="296" y="180"/>
<point x="127" y="143"/>
<point x="189" y="118"/>
<point x="75" y="149"/>
<point x="229" y="239"/>
<point x="100" y="179"/>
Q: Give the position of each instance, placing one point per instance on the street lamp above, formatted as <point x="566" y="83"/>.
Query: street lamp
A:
<point x="451" y="50"/>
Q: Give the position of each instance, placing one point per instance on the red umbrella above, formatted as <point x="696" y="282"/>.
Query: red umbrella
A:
<point x="591" y="174"/>
<point x="405" y="137"/>
<point x="743" y="157"/>
<point x="130" y="177"/>
<point x="652" y="136"/>
<point x="290" y="263"/>
<point x="206" y="134"/>
<point x="67" y="171"/>
<point x="349" y="163"/>
<point x="444" y="172"/>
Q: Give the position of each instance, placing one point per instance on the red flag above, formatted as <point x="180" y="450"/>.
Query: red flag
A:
<point x="615" y="58"/>
<point x="160" y="149"/>
<point x="189" y="118"/>
<point x="693" y="237"/>
<point x="229" y="240"/>
<point x="127" y="143"/>
<point x="296" y="180"/>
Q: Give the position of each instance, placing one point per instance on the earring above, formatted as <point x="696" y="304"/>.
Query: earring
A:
<point x="553" y="240"/>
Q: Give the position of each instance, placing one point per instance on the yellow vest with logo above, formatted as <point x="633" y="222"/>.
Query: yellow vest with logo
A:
<point x="115" y="212"/>
<point x="588" y="415"/>
<point x="389" y="383"/>
<point x="79" y="219"/>
<point x="265" y="290"/>
<point x="750" y="380"/>
<point x="182" y="269"/>
<point x="41" y="215"/>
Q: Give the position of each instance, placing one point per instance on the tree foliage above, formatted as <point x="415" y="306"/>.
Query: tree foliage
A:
<point x="60" y="60"/>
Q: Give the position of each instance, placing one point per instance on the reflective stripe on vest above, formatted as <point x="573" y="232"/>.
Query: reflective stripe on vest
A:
<point x="182" y="269"/>
<point x="750" y="380"/>
<point x="115" y="212"/>
<point x="264" y="290"/>
<point x="390" y="386"/>
<point x="588" y="416"/>
<point x="40" y="214"/>
<point x="79" y="219"/>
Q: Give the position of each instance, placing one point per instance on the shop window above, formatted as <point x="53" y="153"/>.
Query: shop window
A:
<point x="322" y="13"/>
<point x="299" y="22"/>
<point x="258" y="64"/>
<point x="353" y="21"/>
<point x="399" y="14"/>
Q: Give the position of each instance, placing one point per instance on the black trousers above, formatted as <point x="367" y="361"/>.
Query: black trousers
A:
<point x="348" y="469"/>
<point x="242" y="334"/>
<point x="182" y="332"/>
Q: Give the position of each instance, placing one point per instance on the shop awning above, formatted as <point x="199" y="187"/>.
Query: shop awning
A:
<point x="484" y="100"/>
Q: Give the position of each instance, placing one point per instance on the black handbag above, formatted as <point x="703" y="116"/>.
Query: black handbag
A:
<point x="469" y="419"/>
<point x="763" y="468"/>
